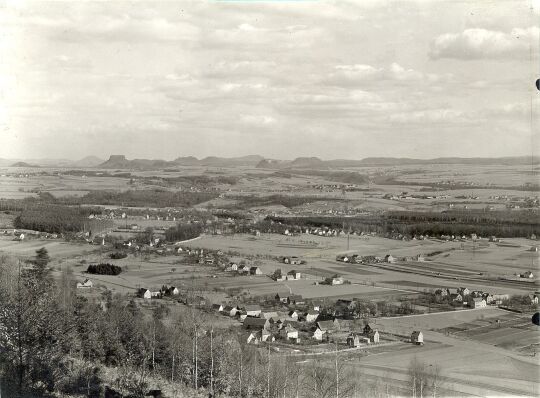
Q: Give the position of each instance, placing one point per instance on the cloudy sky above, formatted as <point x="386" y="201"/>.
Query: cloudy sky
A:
<point x="334" y="79"/>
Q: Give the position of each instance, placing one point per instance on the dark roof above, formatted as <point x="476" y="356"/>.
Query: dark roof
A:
<point x="255" y="322"/>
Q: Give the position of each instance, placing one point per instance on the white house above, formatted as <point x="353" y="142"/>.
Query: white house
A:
<point x="145" y="293"/>
<point x="312" y="316"/>
<point x="478" y="302"/>
<point x="85" y="285"/>
<point x="289" y="332"/>
<point x="417" y="337"/>
<point x="253" y="310"/>
<point x="318" y="334"/>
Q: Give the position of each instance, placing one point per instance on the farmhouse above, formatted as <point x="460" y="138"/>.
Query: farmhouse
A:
<point x="327" y="326"/>
<point x="233" y="266"/>
<point x="293" y="260"/>
<point x="267" y="336"/>
<point x="464" y="291"/>
<point x="230" y="310"/>
<point x="527" y="275"/>
<point x="374" y="336"/>
<point x="533" y="298"/>
<point x="254" y="338"/>
<point x="456" y="297"/>
<point x="85" y="285"/>
<point x="218" y="307"/>
<point x="293" y="315"/>
<point x="417" y="337"/>
<point x="243" y="269"/>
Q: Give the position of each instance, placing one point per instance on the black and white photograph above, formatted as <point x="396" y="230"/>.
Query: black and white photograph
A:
<point x="269" y="198"/>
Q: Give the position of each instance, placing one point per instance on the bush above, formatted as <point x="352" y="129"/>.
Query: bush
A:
<point x="104" y="269"/>
<point x="117" y="255"/>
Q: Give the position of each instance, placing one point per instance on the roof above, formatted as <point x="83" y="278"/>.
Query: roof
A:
<point x="313" y="312"/>
<point x="252" y="307"/>
<point x="295" y="297"/>
<point x="478" y="299"/>
<point x="255" y="322"/>
<point x="325" y="325"/>
<point x="416" y="333"/>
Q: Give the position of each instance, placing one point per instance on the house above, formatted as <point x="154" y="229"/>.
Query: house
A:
<point x="269" y="315"/>
<point x="253" y="310"/>
<point x="499" y="298"/>
<point x="157" y="294"/>
<point x="293" y="315"/>
<point x="218" y="307"/>
<point x="389" y="259"/>
<point x="533" y="249"/>
<point x="295" y="299"/>
<point x="283" y="298"/>
<point x="316" y="305"/>
<point x="477" y="302"/>
<point x="312" y="316"/>
<point x="456" y="297"/>
<point x="144" y="293"/>
<point x="420" y="258"/>
<point x="172" y="291"/>
<point x="255" y="271"/>
<point x="256" y="323"/>
<point x="417" y="338"/>
<point x="441" y="292"/>
<point x="353" y="340"/>
<point x="337" y="281"/>
<point x="533" y="298"/>
<point x="374" y="336"/>
<point x="289" y="332"/>
<point x="267" y="336"/>
<point x="318" y="334"/>
<point x="464" y="291"/>
<point x="343" y="258"/>
<point x="230" y="310"/>
<point x="489" y="298"/>
<point x="85" y="285"/>
<point x="293" y="260"/>
<point x="326" y="326"/>
<point x="367" y="330"/>
<point x="233" y="266"/>
<point x="345" y="304"/>
<point x="527" y="275"/>
<point x="243" y="269"/>
<point x="254" y="338"/>
<point x="293" y="275"/>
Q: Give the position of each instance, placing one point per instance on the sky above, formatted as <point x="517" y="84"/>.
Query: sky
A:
<point x="334" y="79"/>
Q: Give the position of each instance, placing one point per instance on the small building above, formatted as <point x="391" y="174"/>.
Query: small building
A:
<point x="420" y="258"/>
<point x="269" y="314"/>
<point x="456" y="297"/>
<point x="282" y="298"/>
<point x="293" y="314"/>
<point x="243" y="269"/>
<point x="86" y="284"/>
<point x="441" y="292"/>
<point x="253" y="338"/>
<point x="255" y="271"/>
<point x="218" y="307"/>
<point x="230" y="310"/>
<point x="464" y="291"/>
<point x="326" y="326"/>
<point x="267" y="336"/>
<point x="533" y="298"/>
<point x="233" y="266"/>
<point x="417" y="338"/>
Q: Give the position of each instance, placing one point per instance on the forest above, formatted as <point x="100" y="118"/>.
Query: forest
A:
<point x="59" y="219"/>
<point x="504" y="224"/>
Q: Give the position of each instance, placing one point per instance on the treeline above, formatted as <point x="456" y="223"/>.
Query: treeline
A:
<point x="272" y="200"/>
<point x="58" y="219"/>
<point x="500" y="224"/>
<point x="183" y="232"/>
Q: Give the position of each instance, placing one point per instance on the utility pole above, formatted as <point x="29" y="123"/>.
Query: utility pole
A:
<point x="337" y="372"/>
<point x="268" y="375"/>
<point x="212" y="361"/>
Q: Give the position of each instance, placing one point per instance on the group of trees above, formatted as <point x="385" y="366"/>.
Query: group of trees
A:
<point x="104" y="269"/>
<point x="183" y="232"/>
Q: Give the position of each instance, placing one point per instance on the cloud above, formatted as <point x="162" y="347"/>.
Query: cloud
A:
<point x="347" y="75"/>
<point x="482" y="43"/>
<point x="257" y="119"/>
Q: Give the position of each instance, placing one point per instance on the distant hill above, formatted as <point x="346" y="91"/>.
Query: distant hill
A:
<point x="120" y="162"/>
<point x="23" y="164"/>
<point x="88" y="161"/>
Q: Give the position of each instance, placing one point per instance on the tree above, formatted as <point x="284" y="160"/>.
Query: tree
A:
<point x="424" y="380"/>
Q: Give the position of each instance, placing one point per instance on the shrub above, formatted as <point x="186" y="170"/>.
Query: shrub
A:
<point x="117" y="255"/>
